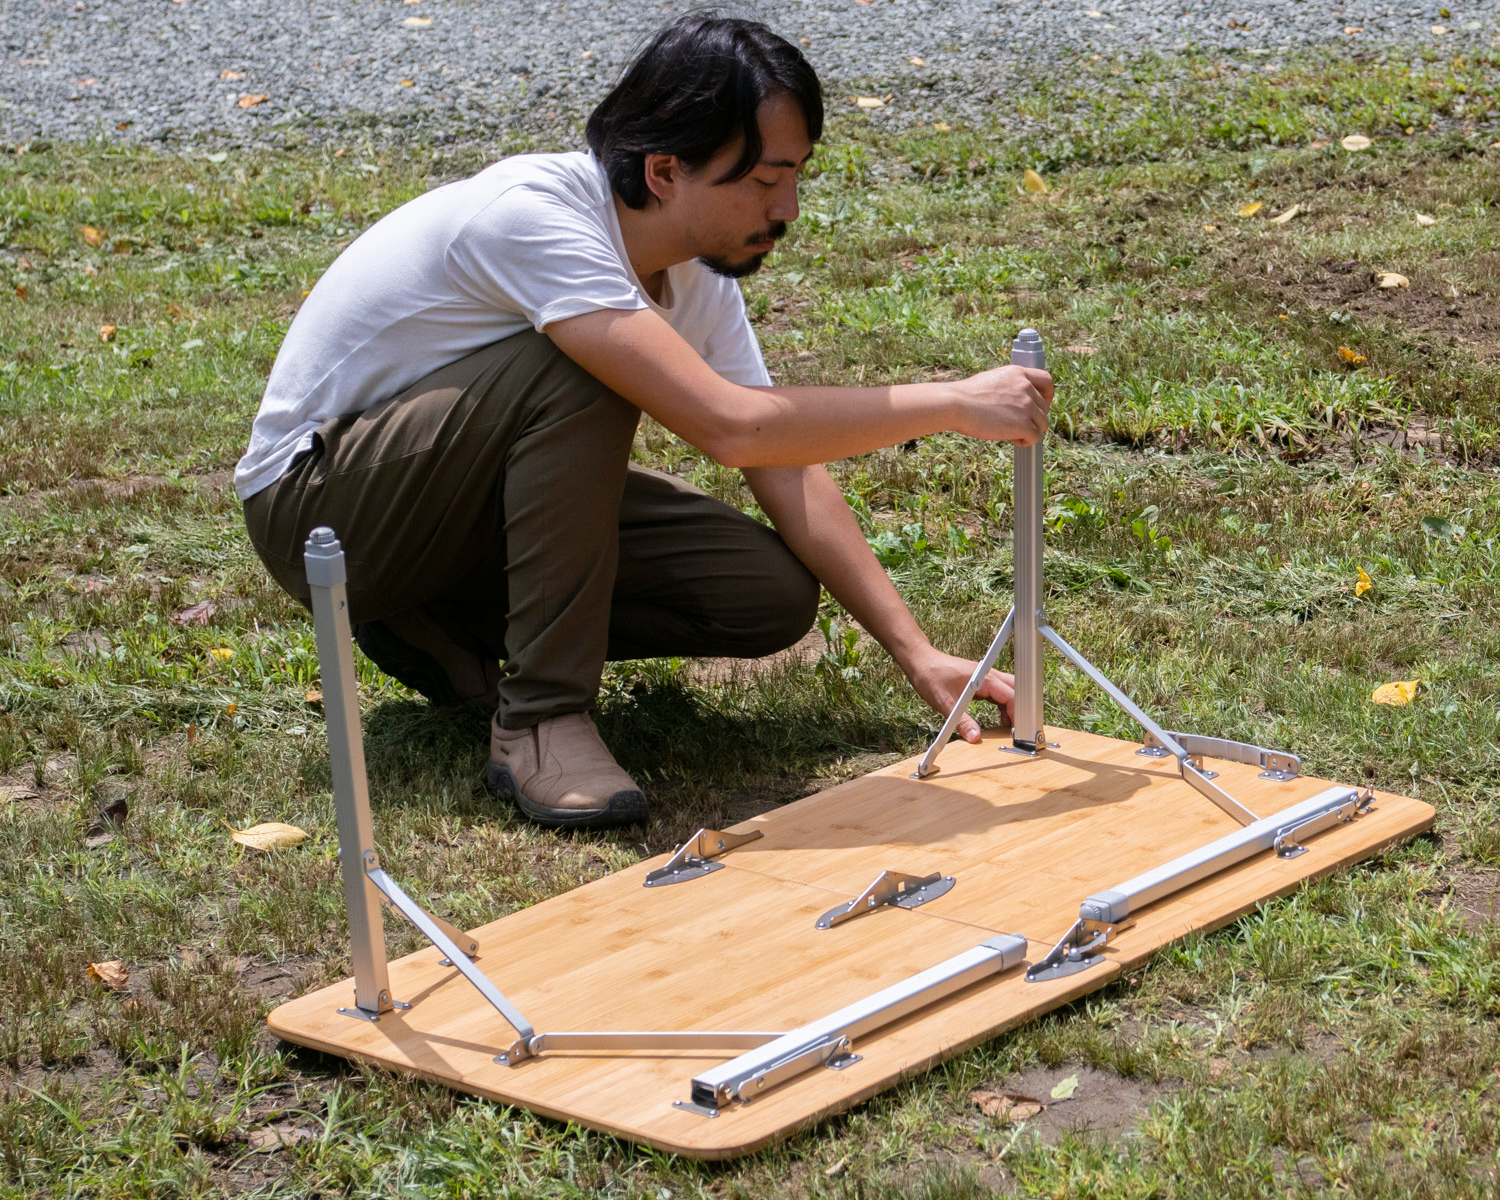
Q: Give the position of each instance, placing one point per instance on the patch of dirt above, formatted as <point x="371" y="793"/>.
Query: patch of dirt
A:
<point x="1476" y="897"/>
<point x="111" y="491"/>
<point x="1105" y="1104"/>
<point x="1429" y="305"/>
<point x="704" y="671"/>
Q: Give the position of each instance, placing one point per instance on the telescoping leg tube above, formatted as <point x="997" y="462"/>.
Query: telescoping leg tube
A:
<point x="828" y="1042"/>
<point x="346" y="751"/>
<point x="1106" y="912"/>
<point x="365" y="881"/>
<point x="1027" y="730"/>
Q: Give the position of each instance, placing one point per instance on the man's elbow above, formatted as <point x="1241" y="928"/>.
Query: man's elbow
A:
<point x="736" y="441"/>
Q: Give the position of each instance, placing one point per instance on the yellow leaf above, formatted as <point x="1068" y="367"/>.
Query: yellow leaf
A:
<point x="1034" y="182"/>
<point x="231" y="709"/>
<point x="417" y="22"/>
<point x="253" y="100"/>
<point x="1351" y="356"/>
<point x="1207" y="228"/>
<point x="1365" y="583"/>
<point x="111" y="974"/>
<point x="1351" y="30"/>
<point x="1283" y="218"/>
<point x="106" y="333"/>
<point x="1389" y="279"/>
<point x="1424" y="219"/>
<point x="1251" y="209"/>
<point x="222" y="653"/>
<point x="1400" y="693"/>
<point x="314" y="697"/>
<point x="228" y="74"/>
<point x="91" y="236"/>
<point x="942" y="126"/>
<point x="1355" y="141"/>
<point x="869" y="102"/>
<point x="407" y="83"/>
<point x="270" y="835"/>
<point x="917" y="61"/>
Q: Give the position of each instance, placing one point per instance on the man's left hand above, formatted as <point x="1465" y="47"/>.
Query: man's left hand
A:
<point x="940" y="680"/>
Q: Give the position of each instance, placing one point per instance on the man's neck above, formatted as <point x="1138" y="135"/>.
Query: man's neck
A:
<point x="650" y="245"/>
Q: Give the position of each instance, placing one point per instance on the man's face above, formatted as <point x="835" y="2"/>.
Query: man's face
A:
<point x="733" y="226"/>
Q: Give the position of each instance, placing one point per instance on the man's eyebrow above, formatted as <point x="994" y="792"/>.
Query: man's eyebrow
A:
<point x="785" y="162"/>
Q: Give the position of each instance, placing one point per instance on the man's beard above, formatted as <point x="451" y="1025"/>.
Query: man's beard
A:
<point x="739" y="270"/>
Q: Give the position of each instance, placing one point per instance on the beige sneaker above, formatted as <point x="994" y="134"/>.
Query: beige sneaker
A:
<point x="559" y="773"/>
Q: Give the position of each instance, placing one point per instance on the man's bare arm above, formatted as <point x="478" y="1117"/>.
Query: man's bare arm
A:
<point x="640" y="356"/>
<point x="810" y="513"/>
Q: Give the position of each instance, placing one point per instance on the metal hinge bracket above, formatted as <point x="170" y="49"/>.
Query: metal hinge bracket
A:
<point x="690" y="860"/>
<point x="890" y="887"/>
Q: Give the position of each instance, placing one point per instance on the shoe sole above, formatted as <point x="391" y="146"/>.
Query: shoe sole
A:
<point x="624" y="808"/>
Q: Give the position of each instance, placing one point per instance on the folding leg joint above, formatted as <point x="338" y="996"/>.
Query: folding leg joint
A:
<point x="692" y="859"/>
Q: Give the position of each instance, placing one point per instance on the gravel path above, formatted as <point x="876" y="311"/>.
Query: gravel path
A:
<point x="169" y="69"/>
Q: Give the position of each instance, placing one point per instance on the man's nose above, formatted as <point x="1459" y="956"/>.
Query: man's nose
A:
<point x="784" y="204"/>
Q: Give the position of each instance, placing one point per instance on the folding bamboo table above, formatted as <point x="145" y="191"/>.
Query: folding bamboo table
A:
<point x="715" y="1000"/>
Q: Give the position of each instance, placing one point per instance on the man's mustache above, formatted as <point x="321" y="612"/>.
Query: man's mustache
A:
<point x="774" y="234"/>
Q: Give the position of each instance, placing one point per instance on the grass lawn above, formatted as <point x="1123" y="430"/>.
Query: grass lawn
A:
<point x="1245" y="422"/>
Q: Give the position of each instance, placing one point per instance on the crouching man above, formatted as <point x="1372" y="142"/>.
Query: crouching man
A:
<point x="458" y="397"/>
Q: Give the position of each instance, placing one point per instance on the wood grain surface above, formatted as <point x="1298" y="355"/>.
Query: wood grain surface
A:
<point x="1026" y="839"/>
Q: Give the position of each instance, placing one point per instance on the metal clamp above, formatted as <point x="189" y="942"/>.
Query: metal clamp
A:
<point x="690" y="860"/>
<point x="890" y="887"/>
<point x="1074" y="951"/>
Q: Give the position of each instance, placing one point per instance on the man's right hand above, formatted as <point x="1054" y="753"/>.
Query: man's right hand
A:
<point x="1008" y="404"/>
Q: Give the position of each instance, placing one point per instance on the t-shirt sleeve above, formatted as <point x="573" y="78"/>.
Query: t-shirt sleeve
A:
<point x="535" y="253"/>
<point x="731" y="348"/>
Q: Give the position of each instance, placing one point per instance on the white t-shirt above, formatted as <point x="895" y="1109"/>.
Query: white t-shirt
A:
<point x="531" y="240"/>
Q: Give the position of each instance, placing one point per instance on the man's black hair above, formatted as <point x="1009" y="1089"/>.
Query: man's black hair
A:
<point x="696" y="87"/>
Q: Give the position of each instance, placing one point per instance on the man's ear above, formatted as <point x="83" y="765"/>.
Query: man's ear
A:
<point x="663" y="172"/>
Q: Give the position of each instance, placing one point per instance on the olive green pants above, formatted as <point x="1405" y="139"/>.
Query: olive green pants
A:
<point x="490" y="514"/>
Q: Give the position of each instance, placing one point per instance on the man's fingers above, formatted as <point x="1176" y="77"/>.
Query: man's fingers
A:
<point x="1042" y="382"/>
<point x="968" y="729"/>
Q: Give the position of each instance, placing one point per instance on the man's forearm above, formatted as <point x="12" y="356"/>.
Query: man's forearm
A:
<point x="641" y="357"/>
<point x="810" y="513"/>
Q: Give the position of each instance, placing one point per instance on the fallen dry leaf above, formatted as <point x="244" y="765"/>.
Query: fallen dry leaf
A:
<point x="1364" y="583"/>
<point x="1283" y="218"/>
<point x="1440" y="30"/>
<point x="98" y="841"/>
<point x="1008" y="1106"/>
<point x="1081" y="349"/>
<point x="22" y="291"/>
<point x="1355" y="141"/>
<point x="1249" y="210"/>
<point x="106" y="333"/>
<point x="1398" y="694"/>
<point x="228" y="74"/>
<point x="1424" y="219"/>
<point x="314" y="697"/>
<point x="269" y="835"/>
<point x="276" y="1137"/>
<point x="1351" y="356"/>
<point x="1065" y="1088"/>
<point x="869" y="102"/>
<point x="1033" y="182"/>
<point x="91" y="236"/>
<point x="917" y="61"/>
<point x="837" y="1168"/>
<point x="111" y="974"/>
<point x="17" y="791"/>
<point x="1321" y="144"/>
<point x="231" y="709"/>
<point x="944" y="127"/>
<point x="198" y="614"/>
<point x="250" y="101"/>
<point x="1390" y="279"/>
<point x="1351" y="30"/>
<point x="192" y="732"/>
<point x="417" y="22"/>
